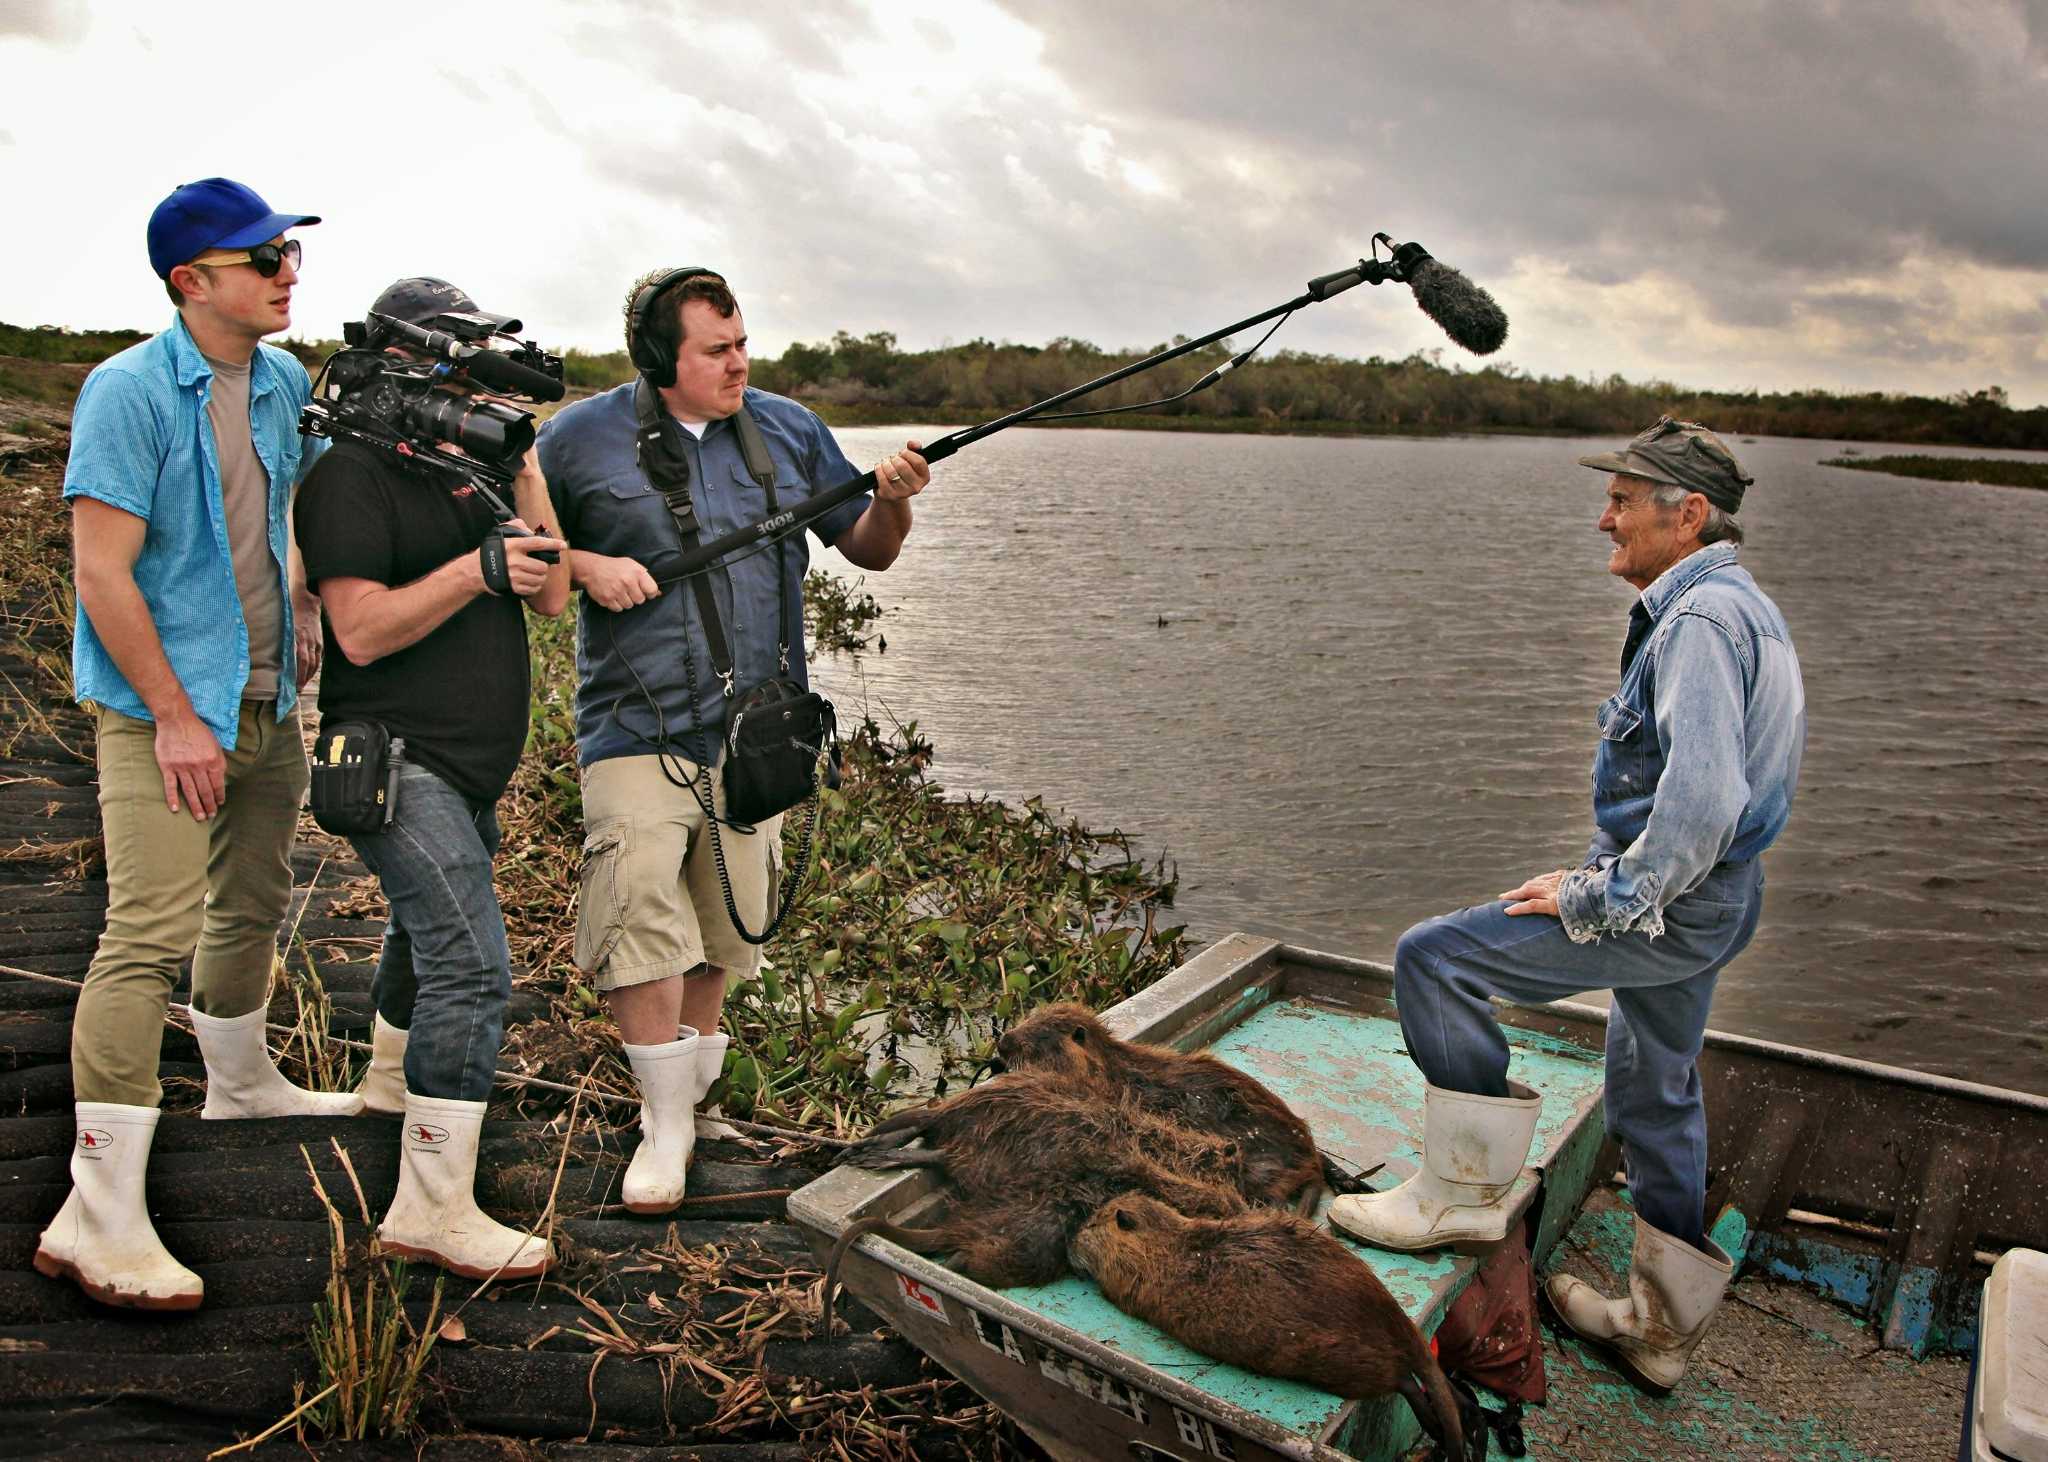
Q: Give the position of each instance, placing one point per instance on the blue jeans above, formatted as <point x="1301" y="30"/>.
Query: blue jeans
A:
<point x="444" y="974"/>
<point x="1445" y="969"/>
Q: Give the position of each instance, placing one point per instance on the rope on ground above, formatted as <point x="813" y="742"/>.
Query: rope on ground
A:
<point x="504" y="1078"/>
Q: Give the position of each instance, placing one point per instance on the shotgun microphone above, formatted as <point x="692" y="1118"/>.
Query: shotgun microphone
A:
<point x="502" y="373"/>
<point x="1463" y="310"/>
<point x="492" y="368"/>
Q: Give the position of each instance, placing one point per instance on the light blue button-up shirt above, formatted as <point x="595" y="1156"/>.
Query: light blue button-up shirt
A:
<point x="1699" y="749"/>
<point x="141" y="442"/>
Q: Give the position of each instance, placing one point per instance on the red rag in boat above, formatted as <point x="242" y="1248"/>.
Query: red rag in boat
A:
<point x="1490" y="1335"/>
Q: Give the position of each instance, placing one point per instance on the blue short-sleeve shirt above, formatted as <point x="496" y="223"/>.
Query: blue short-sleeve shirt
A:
<point x="606" y="505"/>
<point x="141" y="442"/>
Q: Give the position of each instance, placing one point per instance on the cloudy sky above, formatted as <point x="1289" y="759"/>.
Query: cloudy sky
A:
<point x="1848" y="195"/>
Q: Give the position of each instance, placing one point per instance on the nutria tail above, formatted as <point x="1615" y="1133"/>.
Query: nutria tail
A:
<point x="1429" y="1394"/>
<point x="883" y="1158"/>
<point x="901" y="1126"/>
<point x="917" y="1240"/>
<point x="885" y="1140"/>
<point x="1341" y="1181"/>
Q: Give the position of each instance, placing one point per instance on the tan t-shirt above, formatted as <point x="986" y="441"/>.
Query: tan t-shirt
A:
<point x="245" y="492"/>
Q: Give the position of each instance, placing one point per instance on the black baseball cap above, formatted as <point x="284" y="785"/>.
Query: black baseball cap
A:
<point x="422" y="300"/>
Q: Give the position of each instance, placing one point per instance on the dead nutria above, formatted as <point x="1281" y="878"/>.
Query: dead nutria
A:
<point x="1035" y="1127"/>
<point x="1281" y="1164"/>
<point x="1272" y="1293"/>
<point x="1027" y="1162"/>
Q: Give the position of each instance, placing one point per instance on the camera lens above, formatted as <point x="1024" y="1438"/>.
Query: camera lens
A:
<point x="488" y="430"/>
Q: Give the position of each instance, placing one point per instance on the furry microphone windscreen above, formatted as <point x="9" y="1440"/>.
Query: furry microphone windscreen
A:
<point x="1466" y="312"/>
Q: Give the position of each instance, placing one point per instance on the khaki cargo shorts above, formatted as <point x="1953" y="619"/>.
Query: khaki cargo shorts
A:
<point x="651" y="905"/>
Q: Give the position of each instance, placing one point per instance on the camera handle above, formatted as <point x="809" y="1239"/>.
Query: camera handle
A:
<point x="496" y="561"/>
<point x="545" y="555"/>
<point x="502" y="529"/>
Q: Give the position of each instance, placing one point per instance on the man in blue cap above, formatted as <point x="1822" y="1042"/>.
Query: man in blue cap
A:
<point x="194" y="636"/>
<point x="1693" y="779"/>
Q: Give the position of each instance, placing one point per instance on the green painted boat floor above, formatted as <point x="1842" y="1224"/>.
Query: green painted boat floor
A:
<point x="1781" y="1374"/>
<point x="1349" y="1077"/>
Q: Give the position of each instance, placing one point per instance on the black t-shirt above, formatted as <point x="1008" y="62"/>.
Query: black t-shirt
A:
<point x="459" y="696"/>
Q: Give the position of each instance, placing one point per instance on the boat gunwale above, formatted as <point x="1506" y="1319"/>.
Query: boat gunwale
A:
<point x="1730" y="1041"/>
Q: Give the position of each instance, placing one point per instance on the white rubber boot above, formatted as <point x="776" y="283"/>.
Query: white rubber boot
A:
<point x="1673" y="1291"/>
<point x="383" y="1085"/>
<point x="434" y="1216"/>
<point x="102" y="1236"/>
<point x="242" y="1080"/>
<point x="710" y="1062"/>
<point x="669" y="1089"/>
<point x="1473" y="1149"/>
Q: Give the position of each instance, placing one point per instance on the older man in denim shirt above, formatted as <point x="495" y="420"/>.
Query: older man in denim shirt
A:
<point x="1693" y="778"/>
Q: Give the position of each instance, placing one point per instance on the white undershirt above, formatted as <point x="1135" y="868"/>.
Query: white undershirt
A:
<point x="694" y="428"/>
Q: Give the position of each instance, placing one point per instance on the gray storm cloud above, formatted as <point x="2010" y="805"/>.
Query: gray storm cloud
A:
<point x="1757" y="151"/>
<point x="1757" y="157"/>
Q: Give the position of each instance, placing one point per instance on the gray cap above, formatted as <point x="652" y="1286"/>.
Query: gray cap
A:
<point x="1682" y="454"/>
<point x="422" y="301"/>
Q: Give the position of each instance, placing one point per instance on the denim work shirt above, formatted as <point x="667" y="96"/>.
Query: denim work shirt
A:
<point x="141" y="442"/>
<point x="1699" y="749"/>
<point x="606" y="505"/>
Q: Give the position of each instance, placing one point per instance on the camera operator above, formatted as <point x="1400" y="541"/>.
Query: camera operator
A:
<point x="425" y="645"/>
<point x="654" y="928"/>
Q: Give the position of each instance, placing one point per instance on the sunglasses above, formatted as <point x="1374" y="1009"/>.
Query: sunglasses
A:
<point x="265" y="259"/>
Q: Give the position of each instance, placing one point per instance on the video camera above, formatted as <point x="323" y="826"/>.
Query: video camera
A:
<point x="402" y="403"/>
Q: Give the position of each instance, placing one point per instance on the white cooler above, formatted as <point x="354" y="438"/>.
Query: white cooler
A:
<point x="2008" y="1404"/>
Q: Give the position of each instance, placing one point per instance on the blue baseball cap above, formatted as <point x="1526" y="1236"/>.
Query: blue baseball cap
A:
<point x="213" y="213"/>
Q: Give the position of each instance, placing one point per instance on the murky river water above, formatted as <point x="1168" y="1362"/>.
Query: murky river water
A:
<point x="1347" y="684"/>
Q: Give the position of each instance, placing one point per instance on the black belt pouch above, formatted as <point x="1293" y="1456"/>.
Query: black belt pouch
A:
<point x="355" y="777"/>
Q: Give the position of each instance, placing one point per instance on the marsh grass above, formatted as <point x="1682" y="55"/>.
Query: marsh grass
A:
<point x="318" y="1062"/>
<point x="369" y="1355"/>
<point x="1994" y="471"/>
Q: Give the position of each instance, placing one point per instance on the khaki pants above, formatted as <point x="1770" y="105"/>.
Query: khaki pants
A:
<point x="174" y="883"/>
<point x="651" y="904"/>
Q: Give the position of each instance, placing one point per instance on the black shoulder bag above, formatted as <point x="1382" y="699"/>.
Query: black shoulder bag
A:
<point x="777" y="734"/>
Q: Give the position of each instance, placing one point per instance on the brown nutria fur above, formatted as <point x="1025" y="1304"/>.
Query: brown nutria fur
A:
<point x="1281" y="1164"/>
<point x="1269" y="1292"/>
<point x="1027" y="1162"/>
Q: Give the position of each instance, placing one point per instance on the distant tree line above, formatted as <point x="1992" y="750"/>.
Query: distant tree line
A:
<point x="867" y="378"/>
<point x="1296" y="391"/>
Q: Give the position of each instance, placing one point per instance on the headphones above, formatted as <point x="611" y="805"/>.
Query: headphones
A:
<point x="651" y="338"/>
